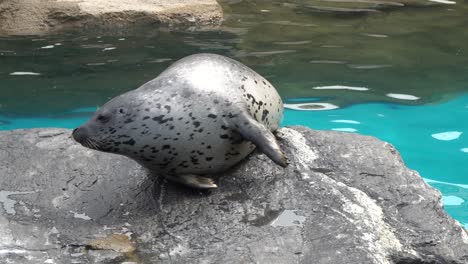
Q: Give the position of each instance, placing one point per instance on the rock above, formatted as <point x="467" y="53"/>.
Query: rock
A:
<point x="344" y="198"/>
<point x="23" y="17"/>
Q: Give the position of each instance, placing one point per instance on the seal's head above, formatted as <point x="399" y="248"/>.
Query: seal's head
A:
<point x="109" y="129"/>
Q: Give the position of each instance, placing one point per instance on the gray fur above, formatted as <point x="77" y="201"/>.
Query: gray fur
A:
<point x="198" y="117"/>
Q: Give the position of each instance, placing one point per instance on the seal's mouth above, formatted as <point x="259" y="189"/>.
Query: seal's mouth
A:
<point x="80" y="136"/>
<point x="89" y="143"/>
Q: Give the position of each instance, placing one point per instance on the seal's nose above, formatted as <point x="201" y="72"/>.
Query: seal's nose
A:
<point x="79" y="134"/>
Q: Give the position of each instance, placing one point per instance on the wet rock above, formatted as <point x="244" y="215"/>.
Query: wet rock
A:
<point x="24" y="17"/>
<point x="343" y="199"/>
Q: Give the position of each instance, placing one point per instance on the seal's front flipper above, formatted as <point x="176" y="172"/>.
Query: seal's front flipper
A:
<point x="194" y="181"/>
<point x="261" y="136"/>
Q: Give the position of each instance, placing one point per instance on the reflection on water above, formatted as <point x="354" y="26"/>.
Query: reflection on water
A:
<point x="299" y="46"/>
<point x="360" y="62"/>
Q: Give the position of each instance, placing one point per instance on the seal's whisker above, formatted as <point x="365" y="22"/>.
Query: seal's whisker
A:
<point x="90" y="144"/>
<point x="93" y="144"/>
<point x="96" y="144"/>
<point x="86" y="143"/>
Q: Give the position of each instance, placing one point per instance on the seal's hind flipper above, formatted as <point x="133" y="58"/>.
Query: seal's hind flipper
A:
<point x="194" y="181"/>
<point x="262" y="137"/>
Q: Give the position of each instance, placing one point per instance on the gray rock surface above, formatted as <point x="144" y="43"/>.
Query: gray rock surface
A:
<point x="344" y="198"/>
<point x="25" y="17"/>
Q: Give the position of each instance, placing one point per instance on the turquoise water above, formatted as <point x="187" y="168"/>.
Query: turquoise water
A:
<point x="432" y="139"/>
<point x="399" y="73"/>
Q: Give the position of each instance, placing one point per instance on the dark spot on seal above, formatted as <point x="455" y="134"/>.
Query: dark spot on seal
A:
<point x="209" y="158"/>
<point x="224" y="136"/>
<point x="130" y="142"/>
<point x="208" y="147"/>
<point x="265" y="114"/>
<point x="146" y="117"/>
<point x="212" y="116"/>
<point x="160" y="119"/>
<point x="191" y="116"/>
<point x="129" y="120"/>
<point x="215" y="101"/>
<point x="224" y="127"/>
<point x="194" y="160"/>
<point x="168" y="108"/>
<point x="196" y="123"/>
<point x="166" y="147"/>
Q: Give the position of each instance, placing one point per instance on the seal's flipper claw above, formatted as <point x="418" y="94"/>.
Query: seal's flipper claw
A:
<point x="195" y="181"/>
<point x="262" y="137"/>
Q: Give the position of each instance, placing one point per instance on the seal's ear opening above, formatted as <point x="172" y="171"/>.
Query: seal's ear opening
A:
<point x="261" y="136"/>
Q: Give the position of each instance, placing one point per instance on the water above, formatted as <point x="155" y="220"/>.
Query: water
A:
<point x="398" y="73"/>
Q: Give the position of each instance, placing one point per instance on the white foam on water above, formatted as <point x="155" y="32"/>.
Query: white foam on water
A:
<point x="447" y="136"/>
<point x="311" y="106"/>
<point x="464" y="150"/>
<point x="403" y="96"/>
<point x="110" y="48"/>
<point x="121" y="39"/>
<point x="375" y="35"/>
<point x="368" y="67"/>
<point x="464" y="186"/>
<point x="265" y="10"/>
<point x="293" y="42"/>
<point x="345" y="129"/>
<point x="96" y="64"/>
<point x="443" y="2"/>
<point x="452" y="200"/>
<point x="346" y="121"/>
<point x="160" y="60"/>
<point x="58" y="44"/>
<point x="327" y="62"/>
<point x="25" y="73"/>
<point x="341" y="87"/>
<point x="48" y="47"/>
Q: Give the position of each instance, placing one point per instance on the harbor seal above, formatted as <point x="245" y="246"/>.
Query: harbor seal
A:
<point x="201" y="116"/>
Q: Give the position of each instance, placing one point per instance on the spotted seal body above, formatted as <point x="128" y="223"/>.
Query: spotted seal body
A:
<point x="201" y="116"/>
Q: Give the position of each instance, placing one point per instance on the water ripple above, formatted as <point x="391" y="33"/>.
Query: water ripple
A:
<point x="341" y="87"/>
<point x="403" y="96"/>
